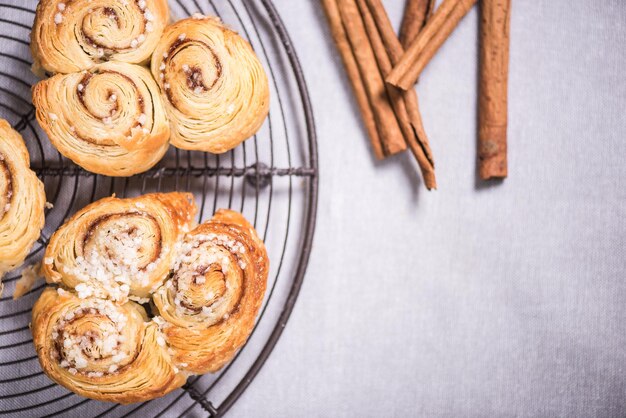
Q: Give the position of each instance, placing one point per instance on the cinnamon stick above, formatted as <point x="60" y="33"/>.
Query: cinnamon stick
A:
<point x="416" y="13"/>
<point x="492" y="104"/>
<point x="423" y="48"/>
<point x="388" y="52"/>
<point x="386" y="122"/>
<point x="352" y="70"/>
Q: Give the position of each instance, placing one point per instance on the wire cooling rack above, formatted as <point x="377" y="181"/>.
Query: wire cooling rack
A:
<point x="271" y="178"/>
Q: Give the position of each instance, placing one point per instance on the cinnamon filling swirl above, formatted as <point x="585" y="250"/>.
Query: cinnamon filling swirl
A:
<point x="6" y="186"/>
<point x="131" y="241"/>
<point x="89" y="339"/>
<point x="195" y="78"/>
<point x="108" y="106"/>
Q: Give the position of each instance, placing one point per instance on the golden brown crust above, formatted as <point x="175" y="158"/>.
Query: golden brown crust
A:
<point x="215" y="90"/>
<point x="206" y="297"/>
<point x="74" y="35"/>
<point x="109" y="120"/>
<point x="22" y="200"/>
<point x="118" y="247"/>
<point x="101" y="350"/>
<point x="210" y="303"/>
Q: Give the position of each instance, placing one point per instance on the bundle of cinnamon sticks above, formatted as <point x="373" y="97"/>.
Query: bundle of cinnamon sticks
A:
<point x="383" y="69"/>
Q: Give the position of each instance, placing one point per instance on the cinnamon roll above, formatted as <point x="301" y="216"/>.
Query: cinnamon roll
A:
<point x="215" y="90"/>
<point x="119" y="248"/>
<point x="22" y="201"/>
<point x="102" y="350"/>
<point x="208" y="305"/>
<point x="205" y="288"/>
<point x="74" y="35"/>
<point x="109" y="120"/>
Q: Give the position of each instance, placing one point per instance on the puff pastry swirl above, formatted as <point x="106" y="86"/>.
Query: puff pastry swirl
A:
<point x="215" y="89"/>
<point x="211" y="300"/>
<point x="109" y="120"/>
<point x="116" y="248"/>
<point x="102" y="350"/>
<point x="74" y="35"/>
<point x="205" y="299"/>
<point x="22" y="201"/>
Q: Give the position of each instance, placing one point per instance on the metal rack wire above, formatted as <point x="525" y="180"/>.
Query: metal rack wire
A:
<point x="271" y="178"/>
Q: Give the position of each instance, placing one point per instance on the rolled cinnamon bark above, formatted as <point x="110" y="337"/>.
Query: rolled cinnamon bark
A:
<point x="386" y="122"/>
<point x="494" y="68"/>
<point x="423" y="48"/>
<point x="388" y="52"/>
<point x="352" y="70"/>
<point x="416" y="13"/>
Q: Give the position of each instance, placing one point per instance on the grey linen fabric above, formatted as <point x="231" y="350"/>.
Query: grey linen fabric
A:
<point x="477" y="300"/>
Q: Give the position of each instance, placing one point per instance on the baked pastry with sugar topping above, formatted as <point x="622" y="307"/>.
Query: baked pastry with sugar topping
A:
<point x="215" y="90"/>
<point x="109" y="120"/>
<point x="205" y="290"/>
<point x="209" y="303"/>
<point x="116" y="248"/>
<point x="22" y="201"/>
<point x="100" y="349"/>
<point x="75" y="35"/>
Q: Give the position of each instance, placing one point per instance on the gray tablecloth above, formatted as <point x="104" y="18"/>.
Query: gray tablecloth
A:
<point x="475" y="300"/>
